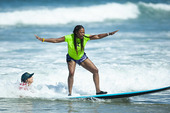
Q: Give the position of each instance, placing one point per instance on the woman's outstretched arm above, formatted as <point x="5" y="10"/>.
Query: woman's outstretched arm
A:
<point x="99" y="36"/>
<point x="52" y="40"/>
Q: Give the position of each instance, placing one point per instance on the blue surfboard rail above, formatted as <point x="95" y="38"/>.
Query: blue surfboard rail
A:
<point x="121" y="95"/>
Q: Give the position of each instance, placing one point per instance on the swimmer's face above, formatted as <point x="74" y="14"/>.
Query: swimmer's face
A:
<point x="30" y="80"/>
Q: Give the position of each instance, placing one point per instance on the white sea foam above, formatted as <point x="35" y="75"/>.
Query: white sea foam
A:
<point x="65" y="15"/>
<point x="117" y="68"/>
<point x="113" y="78"/>
<point x="144" y="34"/>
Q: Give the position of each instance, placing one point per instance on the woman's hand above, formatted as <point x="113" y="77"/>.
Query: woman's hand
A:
<point x="111" y="33"/>
<point x="41" y="39"/>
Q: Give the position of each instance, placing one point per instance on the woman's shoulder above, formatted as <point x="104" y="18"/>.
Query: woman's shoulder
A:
<point x="87" y="37"/>
<point x="69" y="36"/>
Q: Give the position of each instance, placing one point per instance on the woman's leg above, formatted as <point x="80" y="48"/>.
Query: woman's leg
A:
<point x="71" y="68"/>
<point x="88" y="64"/>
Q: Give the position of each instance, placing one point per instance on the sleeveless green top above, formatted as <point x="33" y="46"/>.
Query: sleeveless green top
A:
<point x="71" y="49"/>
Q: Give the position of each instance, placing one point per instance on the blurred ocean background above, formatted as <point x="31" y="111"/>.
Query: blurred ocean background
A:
<point x="135" y="58"/>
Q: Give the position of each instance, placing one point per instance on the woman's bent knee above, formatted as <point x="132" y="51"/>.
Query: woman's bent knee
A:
<point x="71" y="74"/>
<point x="95" y="71"/>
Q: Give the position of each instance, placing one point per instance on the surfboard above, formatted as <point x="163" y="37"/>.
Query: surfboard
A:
<point x="120" y="95"/>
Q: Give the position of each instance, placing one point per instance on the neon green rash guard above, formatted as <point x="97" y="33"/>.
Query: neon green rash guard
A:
<point x="71" y="49"/>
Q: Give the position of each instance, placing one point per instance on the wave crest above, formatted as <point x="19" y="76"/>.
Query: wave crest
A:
<point x="158" y="6"/>
<point x="98" y="13"/>
<point x="95" y="13"/>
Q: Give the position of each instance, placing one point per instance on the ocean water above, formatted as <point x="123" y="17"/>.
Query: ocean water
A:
<point x="135" y="58"/>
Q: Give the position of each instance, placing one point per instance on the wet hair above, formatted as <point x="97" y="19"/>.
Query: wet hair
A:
<point x="75" y="31"/>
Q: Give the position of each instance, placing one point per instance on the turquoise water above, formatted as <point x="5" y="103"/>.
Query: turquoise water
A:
<point x="134" y="59"/>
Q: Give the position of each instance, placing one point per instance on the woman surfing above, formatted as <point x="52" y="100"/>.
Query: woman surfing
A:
<point x="76" y="55"/>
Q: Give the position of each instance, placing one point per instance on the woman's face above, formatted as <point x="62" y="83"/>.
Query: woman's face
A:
<point x="81" y="33"/>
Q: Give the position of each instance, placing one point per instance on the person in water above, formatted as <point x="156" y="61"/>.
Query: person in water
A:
<point x="26" y="81"/>
<point x="76" y="45"/>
